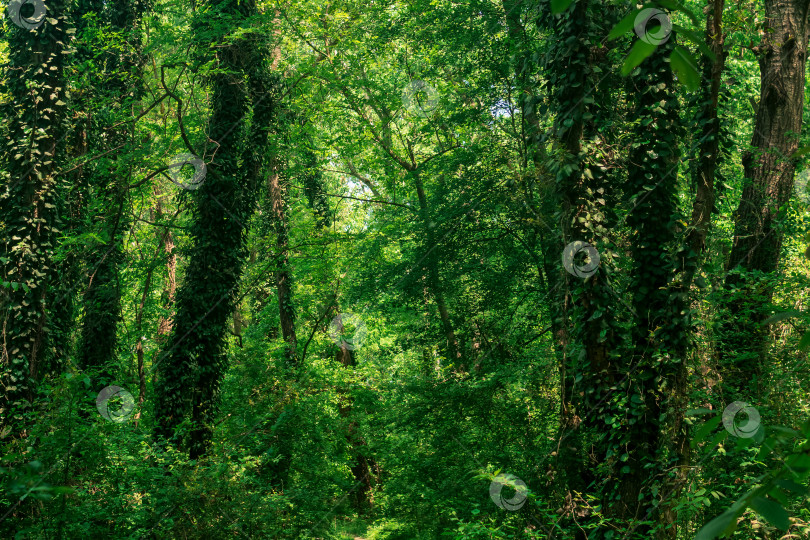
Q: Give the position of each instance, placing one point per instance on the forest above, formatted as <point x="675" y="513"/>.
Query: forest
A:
<point x="404" y="270"/>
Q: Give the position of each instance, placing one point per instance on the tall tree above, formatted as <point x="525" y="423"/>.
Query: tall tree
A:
<point x="118" y="85"/>
<point x="769" y="169"/>
<point x="242" y="105"/>
<point x="38" y="49"/>
<point x="654" y="363"/>
<point x="278" y="189"/>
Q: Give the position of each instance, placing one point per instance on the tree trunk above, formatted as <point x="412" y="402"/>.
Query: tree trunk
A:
<point x="28" y="202"/>
<point x="360" y="463"/>
<point x="192" y="370"/>
<point x="695" y="246"/>
<point x="769" y="170"/>
<point x="588" y="329"/>
<point x="120" y="81"/>
<point x="654" y="362"/>
<point x="286" y="310"/>
<point x="431" y="261"/>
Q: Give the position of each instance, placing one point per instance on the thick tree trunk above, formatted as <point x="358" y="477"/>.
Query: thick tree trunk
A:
<point x="587" y="328"/>
<point x="655" y="361"/>
<point x="191" y="373"/>
<point x="28" y="200"/>
<point x="769" y="172"/>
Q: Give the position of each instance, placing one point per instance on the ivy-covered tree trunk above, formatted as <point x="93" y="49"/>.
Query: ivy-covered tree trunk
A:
<point x="654" y="363"/>
<point x="35" y="111"/>
<point x="694" y="246"/>
<point x="769" y="170"/>
<point x="191" y="373"/>
<point x="581" y="183"/>
<point x="118" y="85"/>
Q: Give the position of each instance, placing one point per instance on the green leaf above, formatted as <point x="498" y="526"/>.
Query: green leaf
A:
<point x="705" y="429"/>
<point x="723" y="524"/>
<point x="558" y="6"/>
<point x="685" y="66"/>
<point x="793" y="487"/>
<point x="782" y="316"/>
<point x="805" y="341"/>
<point x="772" y="511"/>
<point x="697" y="412"/>
<point x="696" y="39"/>
<point x="673" y="5"/>
<point x="624" y="25"/>
<point x="641" y="50"/>
<point x="800" y="152"/>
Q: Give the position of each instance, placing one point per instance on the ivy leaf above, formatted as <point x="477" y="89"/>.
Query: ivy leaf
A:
<point x="685" y="66"/>
<point x="772" y="511"/>
<point x="641" y="50"/>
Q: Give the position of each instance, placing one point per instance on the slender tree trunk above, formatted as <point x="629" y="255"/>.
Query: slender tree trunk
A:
<point x="431" y="262"/>
<point x="286" y="309"/>
<point x="170" y="285"/>
<point x="147" y="287"/>
<point x="360" y="463"/>
<point x="119" y="82"/>
<point x="695" y="246"/>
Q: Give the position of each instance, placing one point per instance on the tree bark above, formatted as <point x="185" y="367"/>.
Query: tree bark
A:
<point x="283" y="275"/>
<point x="769" y="173"/>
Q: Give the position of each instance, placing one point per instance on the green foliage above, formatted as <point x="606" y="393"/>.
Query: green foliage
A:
<point x="434" y="160"/>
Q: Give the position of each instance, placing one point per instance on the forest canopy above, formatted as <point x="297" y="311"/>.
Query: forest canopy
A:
<point x="380" y="270"/>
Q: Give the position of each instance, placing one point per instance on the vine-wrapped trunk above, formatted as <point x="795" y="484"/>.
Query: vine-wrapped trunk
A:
<point x="28" y="200"/>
